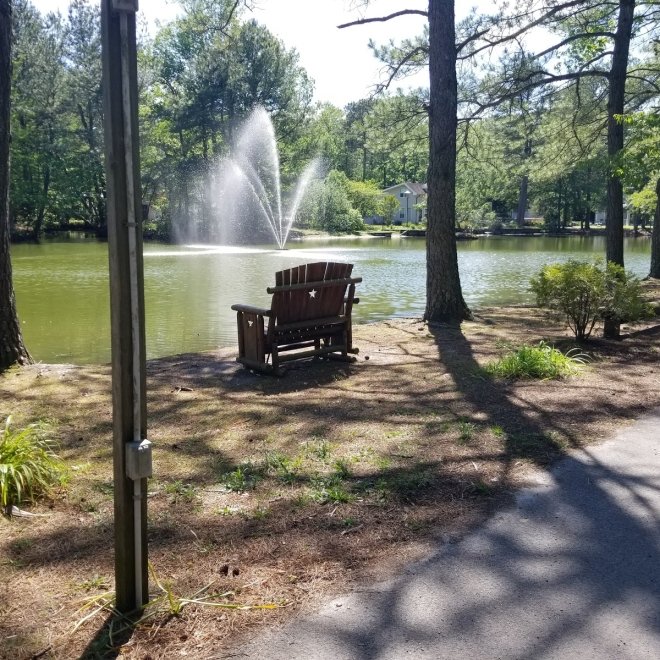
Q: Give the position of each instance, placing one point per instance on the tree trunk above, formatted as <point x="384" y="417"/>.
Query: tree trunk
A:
<point x="655" y="237"/>
<point x="615" y="106"/>
<point x="522" y="201"/>
<point x="444" y="299"/>
<point x="12" y="349"/>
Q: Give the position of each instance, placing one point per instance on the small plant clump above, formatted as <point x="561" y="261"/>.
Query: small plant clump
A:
<point x="243" y="478"/>
<point x="538" y="362"/>
<point x="29" y="466"/>
<point x="586" y="293"/>
<point x="181" y="491"/>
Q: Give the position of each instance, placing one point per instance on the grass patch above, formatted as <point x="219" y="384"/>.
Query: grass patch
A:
<point x="284" y="468"/>
<point x="537" y="362"/>
<point x="243" y="478"/>
<point x="326" y="490"/>
<point x="181" y="491"/>
<point x="29" y="466"/>
<point x="466" y="432"/>
<point x="319" y="449"/>
<point x="342" y="468"/>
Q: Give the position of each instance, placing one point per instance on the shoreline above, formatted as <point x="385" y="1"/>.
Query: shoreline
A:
<point x="399" y="231"/>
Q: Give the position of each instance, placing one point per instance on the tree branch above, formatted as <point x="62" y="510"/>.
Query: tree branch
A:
<point x="509" y="37"/>
<point x="547" y="79"/>
<point x="575" y="37"/>
<point x="394" y="69"/>
<point x="382" y="19"/>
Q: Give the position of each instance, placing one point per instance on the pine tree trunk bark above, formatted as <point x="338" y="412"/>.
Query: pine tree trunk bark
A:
<point x="615" y="106"/>
<point x="444" y="298"/>
<point x="12" y="349"/>
<point x="655" y="237"/>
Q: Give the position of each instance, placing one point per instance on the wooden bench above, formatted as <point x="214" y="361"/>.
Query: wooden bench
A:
<point x="309" y="316"/>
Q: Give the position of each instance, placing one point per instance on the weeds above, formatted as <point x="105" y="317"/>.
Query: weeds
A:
<point x="181" y="491"/>
<point x="285" y="468"/>
<point x="466" y="432"/>
<point x="94" y="583"/>
<point x="539" y="362"/>
<point x="228" y="511"/>
<point x="243" y="478"/>
<point x="342" y="469"/>
<point x="497" y="431"/>
<point x="330" y="490"/>
<point x="167" y="603"/>
<point x="319" y="449"/>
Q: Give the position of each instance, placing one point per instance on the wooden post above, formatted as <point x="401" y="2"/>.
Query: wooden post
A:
<point x="126" y="296"/>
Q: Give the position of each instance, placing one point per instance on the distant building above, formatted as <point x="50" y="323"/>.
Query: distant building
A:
<point x="412" y="202"/>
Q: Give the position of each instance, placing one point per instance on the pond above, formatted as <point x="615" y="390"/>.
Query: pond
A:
<point x="63" y="299"/>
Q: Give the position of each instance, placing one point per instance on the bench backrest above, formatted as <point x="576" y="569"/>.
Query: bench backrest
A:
<point x="304" y="303"/>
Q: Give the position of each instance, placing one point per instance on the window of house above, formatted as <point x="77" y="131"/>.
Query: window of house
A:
<point x="402" y="215"/>
<point x="402" y="194"/>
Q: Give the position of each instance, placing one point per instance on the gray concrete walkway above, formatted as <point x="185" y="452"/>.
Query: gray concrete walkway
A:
<point x="571" y="571"/>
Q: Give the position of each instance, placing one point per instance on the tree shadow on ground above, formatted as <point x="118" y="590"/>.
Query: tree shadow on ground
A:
<point x="572" y="568"/>
<point x="569" y="570"/>
<point x="422" y="492"/>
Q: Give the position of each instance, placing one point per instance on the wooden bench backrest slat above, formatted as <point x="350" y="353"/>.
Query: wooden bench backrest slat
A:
<point x="299" y="305"/>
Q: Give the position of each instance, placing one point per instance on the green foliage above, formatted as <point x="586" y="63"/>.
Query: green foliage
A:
<point x="480" y="218"/>
<point x="389" y="206"/>
<point x="538" y="362"/>
<point x="585" y="293"/>
<point x="57" y="146"/>
<point x="330" y="489"/>
<point x="639" y="163"/>
<point x="465" y="431"/>
<point x="327" y="206"/>
<point x="181" y="491"/>
<point x="645" y="200"/>
<point x="29" y="466"/>
<point x="367" y="198"/>
<point x="244" y="477"/>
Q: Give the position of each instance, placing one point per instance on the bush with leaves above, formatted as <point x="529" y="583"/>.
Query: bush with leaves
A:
<point x="586" y="293"/>
<point x="29" y="466"/>
<point x="327" y="206"/>
<point x="482" y="217"/>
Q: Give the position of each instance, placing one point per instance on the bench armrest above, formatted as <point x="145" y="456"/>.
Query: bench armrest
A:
<point x="249" y="309"/>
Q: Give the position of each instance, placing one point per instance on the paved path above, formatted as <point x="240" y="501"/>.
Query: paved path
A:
<point x="571" y="571"/>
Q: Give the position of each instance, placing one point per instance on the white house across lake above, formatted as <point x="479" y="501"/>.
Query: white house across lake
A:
<point x="412" y="202"/>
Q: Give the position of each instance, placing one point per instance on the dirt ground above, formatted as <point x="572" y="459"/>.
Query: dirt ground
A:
<point x="279" y="492"/>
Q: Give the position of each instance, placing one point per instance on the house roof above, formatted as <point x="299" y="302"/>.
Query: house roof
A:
<point x="415" y="188"/>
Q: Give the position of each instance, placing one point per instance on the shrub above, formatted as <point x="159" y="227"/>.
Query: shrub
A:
<point x="480" y="218"/>
<point x="28" y="464"/>
<point x="586" y="293"/>
<point x="327" y="206"/>
<point x="542" y="361"/>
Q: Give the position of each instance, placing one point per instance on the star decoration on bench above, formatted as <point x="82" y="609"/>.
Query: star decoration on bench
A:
<point x="312" y="293"/>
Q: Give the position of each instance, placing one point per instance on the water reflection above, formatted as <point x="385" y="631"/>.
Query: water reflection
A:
<point x="63" y="301"/>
